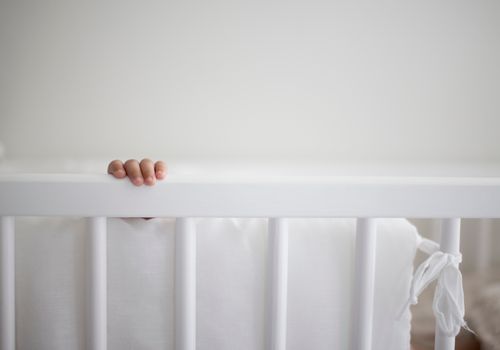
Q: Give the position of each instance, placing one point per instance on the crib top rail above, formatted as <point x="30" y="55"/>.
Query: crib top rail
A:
<point x="240" y="196"/>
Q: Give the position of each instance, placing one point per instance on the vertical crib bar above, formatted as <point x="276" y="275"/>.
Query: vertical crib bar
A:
<point x="185" y="284"/>
<point x="97" y="289"/>
<point x="364" y="282"/>
<point x="7" y="303"/>
<point x="483" y="253"/>
<point x="278" y="283"/>
<point x="450" y="243"/>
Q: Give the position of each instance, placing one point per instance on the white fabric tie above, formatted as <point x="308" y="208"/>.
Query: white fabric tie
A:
<point x="448" y="304"/>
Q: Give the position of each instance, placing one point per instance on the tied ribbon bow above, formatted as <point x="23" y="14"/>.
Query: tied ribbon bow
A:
<point x="448" y="304"/>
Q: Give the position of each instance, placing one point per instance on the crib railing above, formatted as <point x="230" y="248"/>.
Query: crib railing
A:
<point x="364" y="198"/>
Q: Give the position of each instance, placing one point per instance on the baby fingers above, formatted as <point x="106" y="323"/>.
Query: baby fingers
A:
<point x="143" y="172"/>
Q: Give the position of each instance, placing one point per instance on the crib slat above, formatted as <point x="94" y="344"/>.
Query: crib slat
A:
<point x="278" y="283"/>
<point x="7" y="303"/>
<point x="450" y="243"/>
<point x="97" y="285"/>
<point x="364" y="282"/>
<point x="185" y="284"/>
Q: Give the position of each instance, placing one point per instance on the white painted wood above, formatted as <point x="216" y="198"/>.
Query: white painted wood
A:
<point x="185" y="284"/>
<point x="96" y="338"/>
<point x="364" y="284"/>
<point x="484" y="246"/>
<point x="310" y="196"/>
<point x="450" y="243"/>
<point x="7" y="279"/>
<point x="278" y="283"/>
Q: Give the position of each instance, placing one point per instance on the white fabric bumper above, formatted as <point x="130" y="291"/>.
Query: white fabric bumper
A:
<point x="231" y="283"/>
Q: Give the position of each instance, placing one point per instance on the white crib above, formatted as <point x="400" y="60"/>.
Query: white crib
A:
<point x="276" y="197"/>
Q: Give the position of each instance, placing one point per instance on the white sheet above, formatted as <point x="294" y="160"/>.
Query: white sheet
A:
<point x="231" y="279"/>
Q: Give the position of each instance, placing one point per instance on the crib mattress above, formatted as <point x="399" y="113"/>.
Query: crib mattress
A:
<point x="231" y="283"/>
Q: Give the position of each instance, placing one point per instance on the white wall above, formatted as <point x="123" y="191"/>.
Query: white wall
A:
<point x="344" y="80"/>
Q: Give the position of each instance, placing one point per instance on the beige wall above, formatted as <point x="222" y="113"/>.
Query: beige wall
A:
<point x="343" y="80"/>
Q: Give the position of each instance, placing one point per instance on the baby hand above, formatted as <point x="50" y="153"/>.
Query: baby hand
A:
<point x="145" y="172"/>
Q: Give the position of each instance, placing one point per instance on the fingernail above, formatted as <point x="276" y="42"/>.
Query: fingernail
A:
<point x="137" y="181"/>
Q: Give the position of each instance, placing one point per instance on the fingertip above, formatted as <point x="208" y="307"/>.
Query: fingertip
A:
<point x="160" y="175"/>
<point x="138" y="181"/>
<point x="150" y="180"/>
<point x="160" y="169"/>
<point x="114" y="166"/>
<point x="120" y="173"/>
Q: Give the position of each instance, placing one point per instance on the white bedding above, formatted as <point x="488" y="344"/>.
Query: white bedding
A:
<point x="231" y="277"/>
